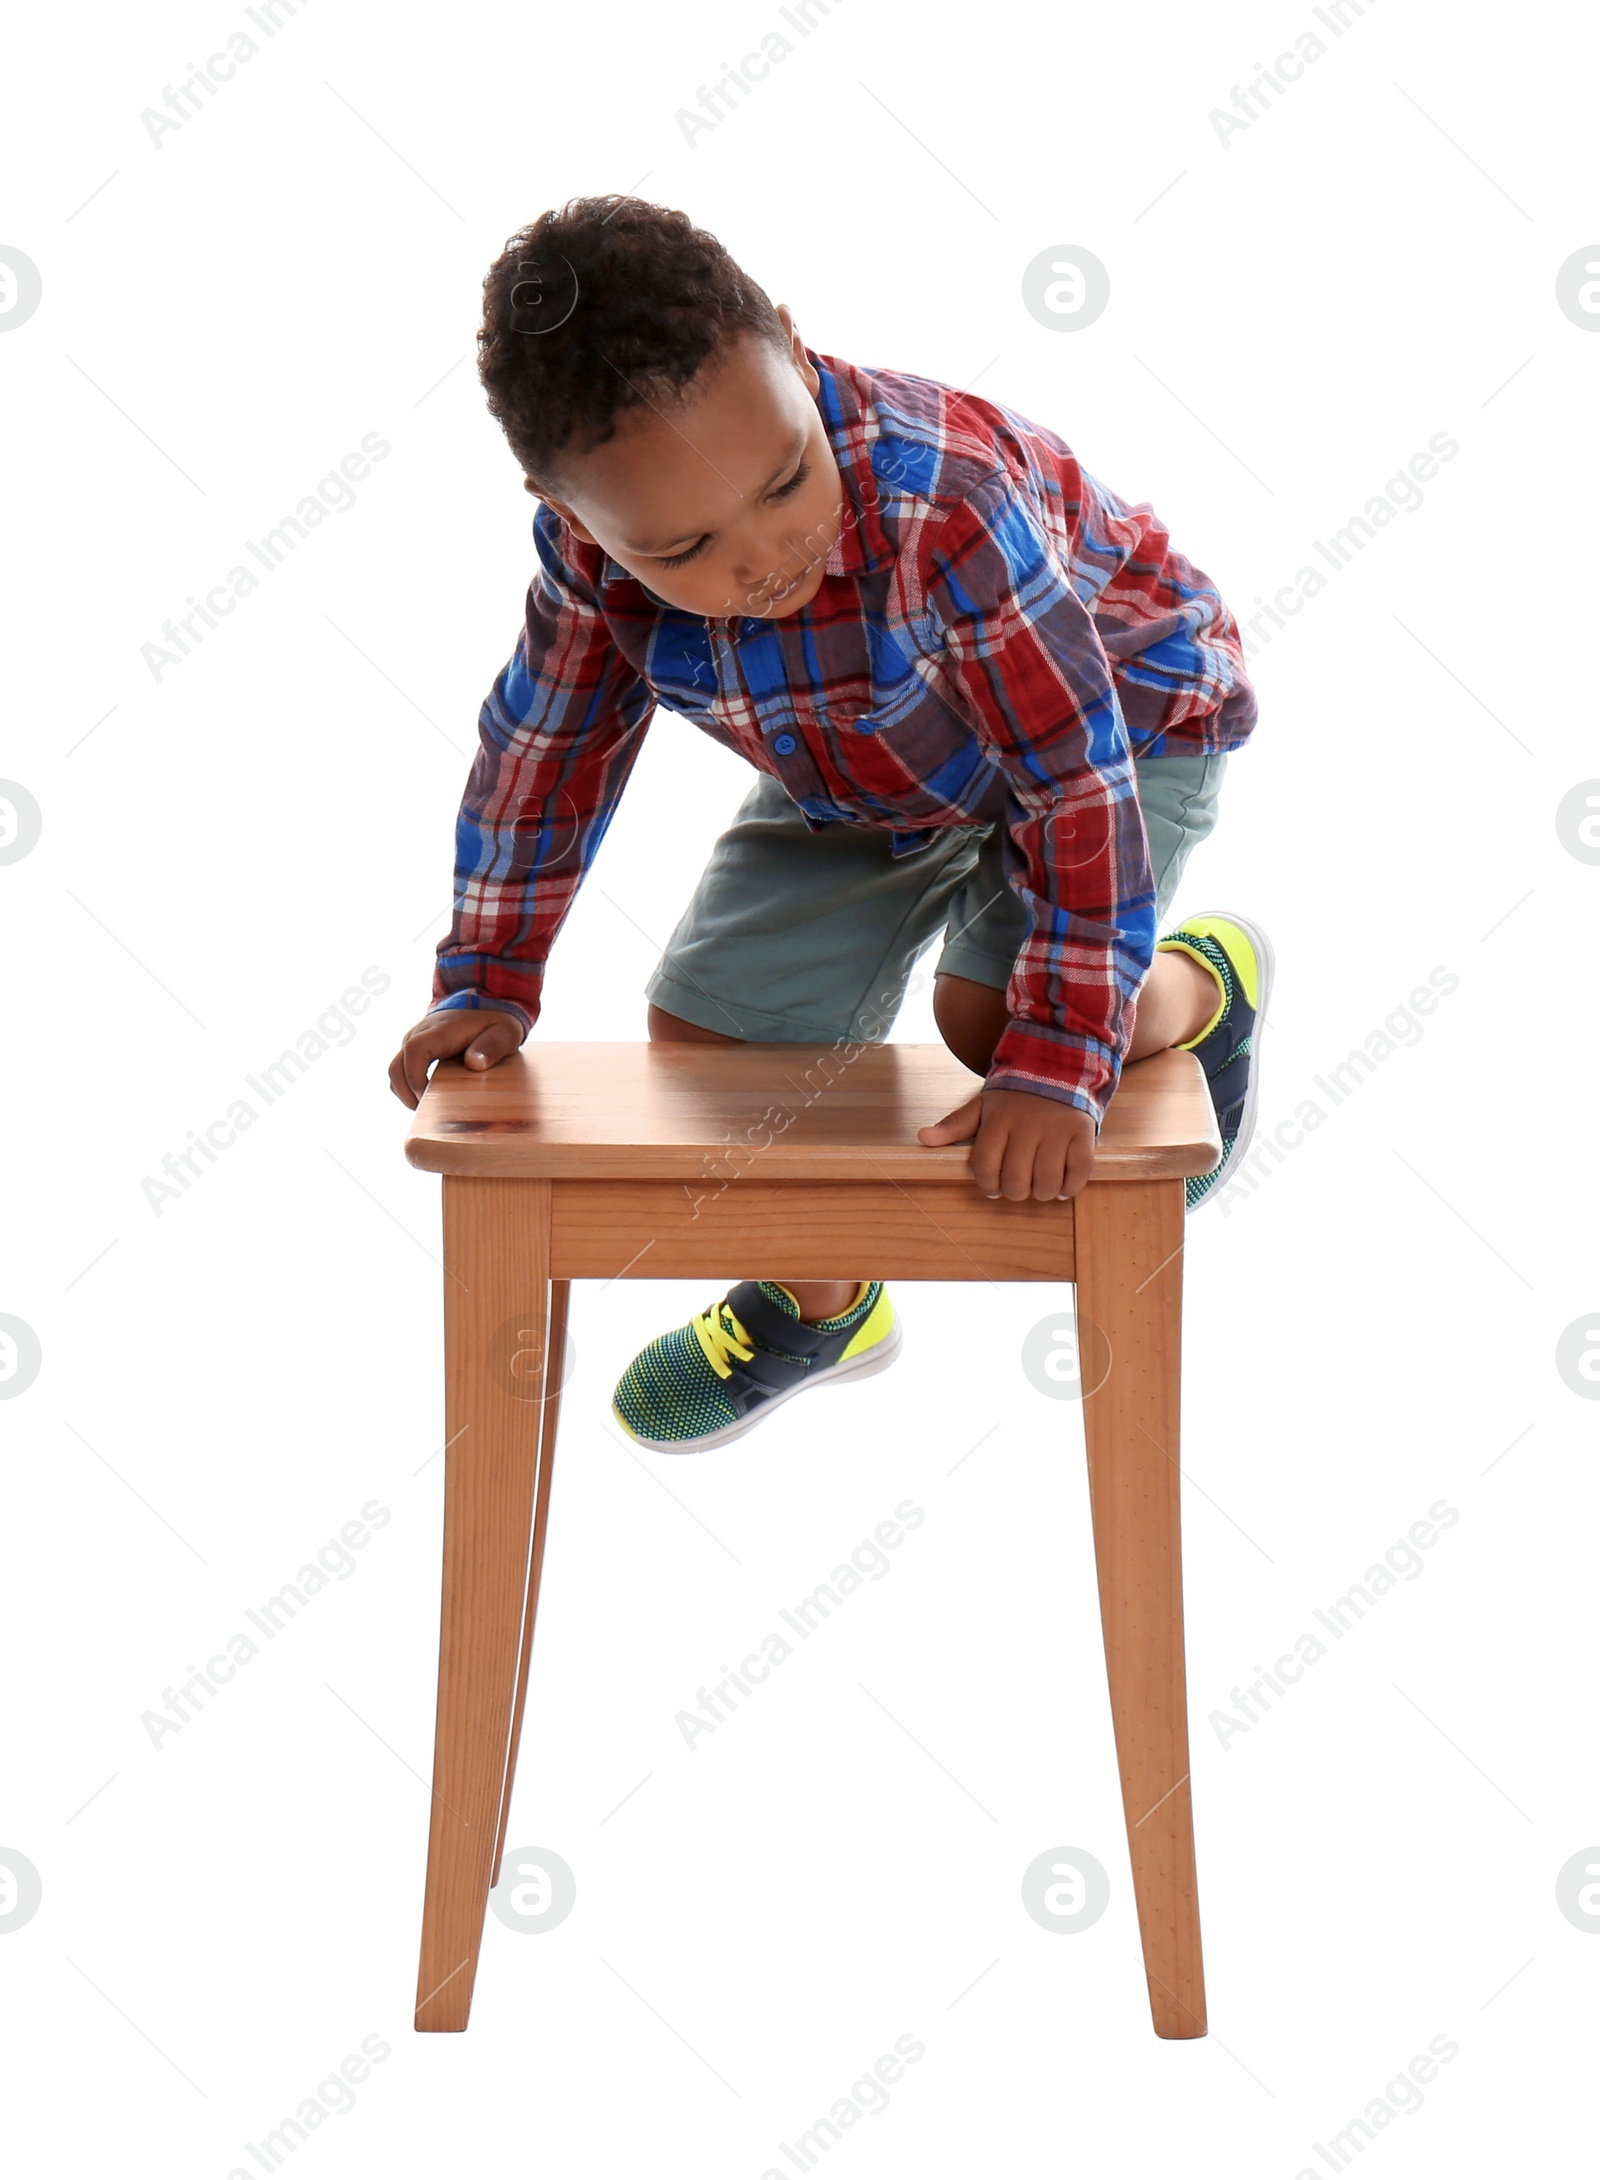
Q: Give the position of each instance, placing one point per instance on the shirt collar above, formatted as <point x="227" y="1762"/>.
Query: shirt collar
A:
<point x="850" y="418"/>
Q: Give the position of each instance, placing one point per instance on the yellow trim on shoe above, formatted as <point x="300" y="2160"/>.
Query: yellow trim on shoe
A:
<point x="1238" y="948"/>
<point x="874" y="1327"/>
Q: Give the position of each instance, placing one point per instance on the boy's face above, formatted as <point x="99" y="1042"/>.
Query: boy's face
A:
<point x="727" y="501"/>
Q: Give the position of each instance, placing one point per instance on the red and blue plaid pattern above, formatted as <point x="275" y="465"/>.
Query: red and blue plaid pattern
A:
<point x="997" y="636"/>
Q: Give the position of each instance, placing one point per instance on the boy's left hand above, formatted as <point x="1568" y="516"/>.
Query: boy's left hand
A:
<point x="1024" y="1145"/>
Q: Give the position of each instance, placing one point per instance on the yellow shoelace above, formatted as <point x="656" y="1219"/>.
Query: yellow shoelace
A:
<point x="722" y="1338"/>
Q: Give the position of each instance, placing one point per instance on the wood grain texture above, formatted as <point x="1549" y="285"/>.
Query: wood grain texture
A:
<point x="549" y="1417"/>
<point x="1130" y="1298"/>
<point x="803" y="1230"/>
<point x="497" y="1267"/>
<point x="797" y="1112"/>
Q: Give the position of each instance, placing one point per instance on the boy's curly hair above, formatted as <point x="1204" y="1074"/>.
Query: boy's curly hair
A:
<point x="597" y="308"/>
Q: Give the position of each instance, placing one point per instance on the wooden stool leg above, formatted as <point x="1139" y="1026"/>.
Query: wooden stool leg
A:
<point x="1130" y="1295"/>
<point x="555" y="1352"/>
<point x="497" y="1280"/>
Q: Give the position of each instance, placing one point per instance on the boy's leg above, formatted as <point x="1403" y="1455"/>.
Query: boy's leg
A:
<point x="805" y="936"/>
<point x="708" y="1381"/>
<point x="1207" y="988"/>
<point x="1176" y="1001"/>
<point x="818" y="1298"/>
<point x="1178" y="798"/>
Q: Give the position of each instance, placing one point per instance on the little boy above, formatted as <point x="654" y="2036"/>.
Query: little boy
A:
<point x="983" y="693"/>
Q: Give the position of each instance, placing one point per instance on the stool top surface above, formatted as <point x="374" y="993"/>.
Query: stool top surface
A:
<point x="786" y="1111"/>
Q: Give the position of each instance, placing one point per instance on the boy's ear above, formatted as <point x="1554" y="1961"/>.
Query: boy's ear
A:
<point x="557" y="507"/>
<point x="572" y="523"/>
<point x="797" y="348"/>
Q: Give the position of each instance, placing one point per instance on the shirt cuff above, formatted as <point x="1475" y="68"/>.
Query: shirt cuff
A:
<point x="1054" y="1063"/>
<point x="484" y="1003"/>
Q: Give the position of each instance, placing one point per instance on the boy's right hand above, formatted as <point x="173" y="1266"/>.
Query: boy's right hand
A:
<point x="484" y="1035"/>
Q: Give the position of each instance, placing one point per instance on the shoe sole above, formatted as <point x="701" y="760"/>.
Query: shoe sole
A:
<point x="1266" y="962"/>
<point x="858" y="1367"/>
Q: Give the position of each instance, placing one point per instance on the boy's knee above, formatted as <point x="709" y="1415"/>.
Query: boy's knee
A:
<point x="670" y="1029"/>
<point x="971" y="1018"/>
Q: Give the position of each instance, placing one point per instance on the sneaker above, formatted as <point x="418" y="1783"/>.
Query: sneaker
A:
<point x="1239" y="956"/>
<point x="717" y="1376"/>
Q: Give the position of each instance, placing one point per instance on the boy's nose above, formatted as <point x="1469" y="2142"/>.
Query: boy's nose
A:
<point x="774" y="563"/>
<point x="755" y="564"/>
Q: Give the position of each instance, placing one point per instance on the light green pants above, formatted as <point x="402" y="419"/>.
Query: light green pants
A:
<point x="795" y="936"/>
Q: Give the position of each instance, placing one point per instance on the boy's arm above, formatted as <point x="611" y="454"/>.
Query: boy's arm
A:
<point x="1175" y="650"/>
<point x="1041" y="695"/>
<point x="558" y="737"/>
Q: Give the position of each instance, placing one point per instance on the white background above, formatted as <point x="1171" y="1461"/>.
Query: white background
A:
<point x="225" y="1384"/>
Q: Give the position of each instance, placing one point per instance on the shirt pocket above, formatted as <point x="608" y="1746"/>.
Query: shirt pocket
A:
<point x="914" y="750"/>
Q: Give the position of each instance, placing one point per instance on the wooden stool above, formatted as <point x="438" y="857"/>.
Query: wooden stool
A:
<point x="722" y="1162"/>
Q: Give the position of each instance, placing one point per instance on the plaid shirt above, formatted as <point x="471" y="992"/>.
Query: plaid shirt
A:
<point x="996" y="637"/>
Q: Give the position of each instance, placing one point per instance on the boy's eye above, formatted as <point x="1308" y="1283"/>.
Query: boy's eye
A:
<point x="780" y="492"/>
<point x="679" y="560"/>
